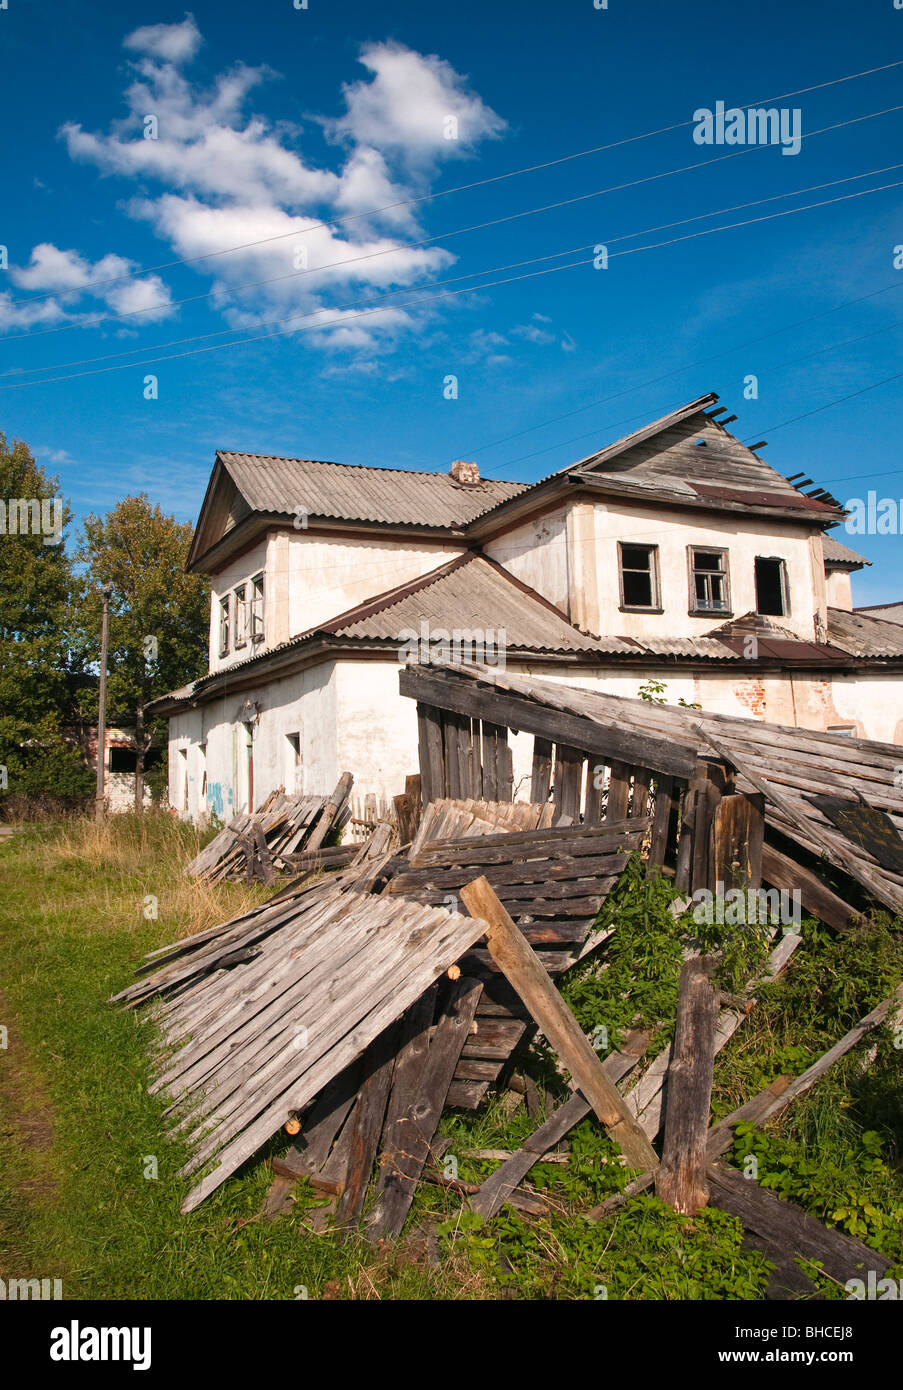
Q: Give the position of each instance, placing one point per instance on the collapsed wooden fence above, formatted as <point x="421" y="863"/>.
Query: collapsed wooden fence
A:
<point x="352" y="1009"/>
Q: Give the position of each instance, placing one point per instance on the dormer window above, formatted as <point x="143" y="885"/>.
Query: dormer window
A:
<point x="709" y="582"/>
<point x="640" y="590"/>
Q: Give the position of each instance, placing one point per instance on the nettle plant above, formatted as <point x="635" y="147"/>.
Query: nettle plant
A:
<point x="838" y="1189"/>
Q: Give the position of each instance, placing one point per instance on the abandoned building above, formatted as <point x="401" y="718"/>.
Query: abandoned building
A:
<point x="674" y="562"/>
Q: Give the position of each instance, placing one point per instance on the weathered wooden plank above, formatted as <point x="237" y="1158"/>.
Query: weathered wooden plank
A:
<point x="489" y="735"/>
<point x="785" y="873"/>
<point x="661" y="827"/>
<point x="542" y="843"/>
<point x="738" y="836"/>
<point x="784" y="1230"/>
<point x="680" y="1180"/>
<point x="366" y="1123"/>
<point x="568" y="775"/>
<point x="527" y="715"/>
<point x="618" y="792"/>
<point x="639" y="800"/>
<point x="541" y="779"/>
<point x="408" y="1145"/>
<point x="515" y="958"/>
<point x="432" y="761"/>
<point x="708" y="796"/>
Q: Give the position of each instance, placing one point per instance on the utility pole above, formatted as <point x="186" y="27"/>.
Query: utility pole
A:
<point x="102" y="707"/>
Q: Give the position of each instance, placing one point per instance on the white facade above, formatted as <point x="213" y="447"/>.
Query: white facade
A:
<point x="350" y="717"/>
<point x="331" y="704"/>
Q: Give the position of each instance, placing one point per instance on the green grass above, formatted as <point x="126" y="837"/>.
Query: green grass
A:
<point x="79" y="1133"/>
<point x="71" y="931"/>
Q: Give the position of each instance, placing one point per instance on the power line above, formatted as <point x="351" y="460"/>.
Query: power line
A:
<point x="444" y="193"/>
<point x="338" y="322"/>
<point x="92" y="320"/>
<point x="666" y="376"/>
<point x="839" y="401"/>
<point x="515" y="265"/>
<point x="790" y="362"/>
<point x="381" y="307"/>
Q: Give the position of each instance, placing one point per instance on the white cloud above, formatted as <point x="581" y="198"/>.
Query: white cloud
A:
<point x="229" y="177"/>
<point x="414" y="105"/>
<point x="71" y="276"/>
<point x="43" y="451"/>
<point x="171" y="43"/>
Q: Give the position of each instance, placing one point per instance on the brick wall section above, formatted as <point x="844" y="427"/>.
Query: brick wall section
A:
<point x="752" y="694"/>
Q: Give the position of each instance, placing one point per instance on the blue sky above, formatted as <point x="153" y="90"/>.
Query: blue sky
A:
<point x="270" y="120"/>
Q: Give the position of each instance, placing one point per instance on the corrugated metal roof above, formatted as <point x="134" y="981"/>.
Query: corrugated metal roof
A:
<point x="864" y="634"/>
<point x="888" y="612"/>
<point x="355" y="492"/>
<point x="838" y="554"/>
<point x="465" y="594"/>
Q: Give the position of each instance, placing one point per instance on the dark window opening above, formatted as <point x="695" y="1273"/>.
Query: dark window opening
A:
<point x="771" y="588"/>
<point x="708" y="581"/>
<point x="126" y="759"/>
<point x="639" y="576"/>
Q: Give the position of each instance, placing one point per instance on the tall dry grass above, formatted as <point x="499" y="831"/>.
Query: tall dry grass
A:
<point x="105" y="872"/>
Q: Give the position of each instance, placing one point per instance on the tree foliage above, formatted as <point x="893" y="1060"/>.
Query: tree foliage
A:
<point x="40" y="667"/>
<point x="159" y="614"/>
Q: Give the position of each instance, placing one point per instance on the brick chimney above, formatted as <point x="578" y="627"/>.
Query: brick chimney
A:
<point x="466" y="473"/>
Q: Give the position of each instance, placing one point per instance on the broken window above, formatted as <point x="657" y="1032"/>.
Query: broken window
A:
<point x="639" y="576"/>
<point x="241" y="616"/>
<point x="772" y="598"/>
<point x="709" y="589"/>
<point x="224" y="626"/>
<point x="255" y="609"/>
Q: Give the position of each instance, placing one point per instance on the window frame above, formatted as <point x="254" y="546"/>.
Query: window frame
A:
<point x="785" y="585"/>
<point x="240" y="618"/>
<point x="256" y="627"/>
<point x="694" y="609"/>
<point x="224" y="625"/>
<point x="654" y="578"/>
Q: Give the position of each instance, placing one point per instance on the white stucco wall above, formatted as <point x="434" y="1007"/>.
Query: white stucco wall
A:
<point x="839" y="587"/>
<point x="351" y="717"/>
<point x="571" y="558"/>
<point x="238" y="571"/>
<point x="537" y="554"/>
<point x="303" y="703"/>
<point x="326" y="576"/>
